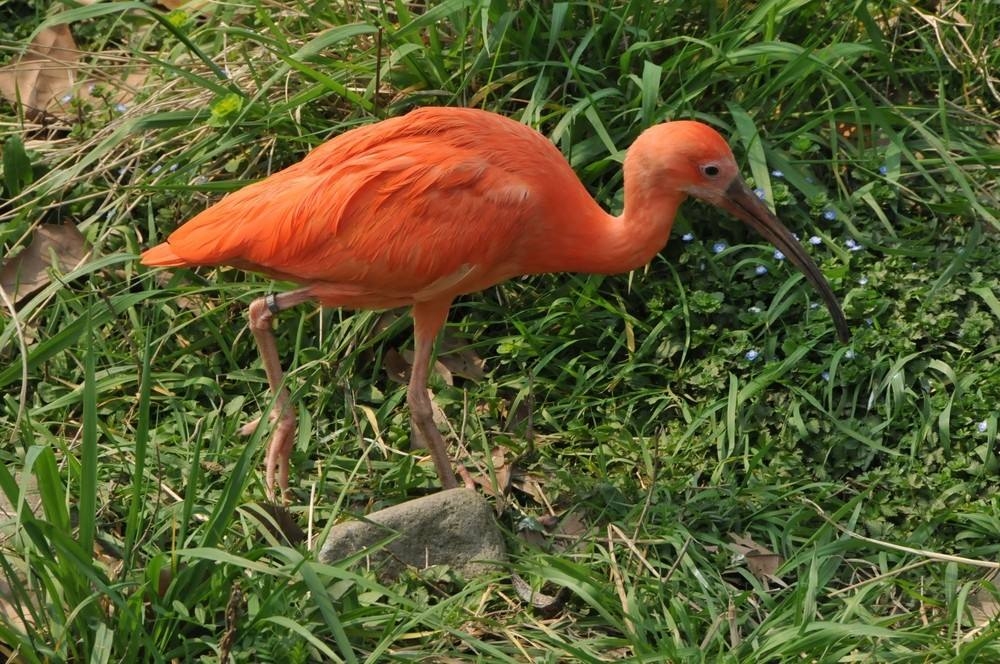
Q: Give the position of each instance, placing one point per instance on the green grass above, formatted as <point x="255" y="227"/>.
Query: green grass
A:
<point x="861" y="467"/>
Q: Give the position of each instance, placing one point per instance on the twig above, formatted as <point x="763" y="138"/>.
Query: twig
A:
<point x="933" y="555"/>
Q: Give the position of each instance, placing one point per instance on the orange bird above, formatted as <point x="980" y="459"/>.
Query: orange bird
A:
<point x="416" y="210"/>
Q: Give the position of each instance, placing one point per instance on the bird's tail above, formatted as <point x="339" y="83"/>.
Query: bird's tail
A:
<point x="163" y="256"/>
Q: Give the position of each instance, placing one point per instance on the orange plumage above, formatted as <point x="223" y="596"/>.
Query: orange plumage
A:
<point x="419" y="209"/>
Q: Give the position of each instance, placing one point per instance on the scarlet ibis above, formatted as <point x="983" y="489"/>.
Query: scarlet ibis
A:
<point x="419" y="209"/>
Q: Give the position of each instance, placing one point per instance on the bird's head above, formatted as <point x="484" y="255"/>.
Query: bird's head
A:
<point x="693" y="159"/>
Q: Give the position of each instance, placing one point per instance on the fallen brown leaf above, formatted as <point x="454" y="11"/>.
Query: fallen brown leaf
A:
<point x="502" y="471"/>
<point x="761" y="561"/>
<point x="45" y="74"/>
<point x="520" y="419"/>
<point x="531" y="484"/>
<point x="13" y="586"/>
<point x="572" y="525"/>
<point x="49" y="76"/>
<point x="189" y="6"/>
<point x="438" y="368"/>
<point x="461" y="360"/>
<point x="984" y="604"/>
<point x="396" y="368"/>
<point x="53" y="246"/>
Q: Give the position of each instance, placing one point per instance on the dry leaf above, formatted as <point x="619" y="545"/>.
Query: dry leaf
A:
<point x="396" y="368"/>
<point x="53" y="246"/>
<point x="438" y="368"/>
<point x="386" y="320"/>
<point x="531" y="484"/>
<point x="195" y="304"/>
<point x="501" y="468"/>
<point x="46" y="72"/>
<point x="453" y="358"/>
<point x="13" y="578"/>
<point x="440" y="418"/>
<point x="47" y="78"/>
<point x="460" y="360"/>
<point x="189" y="6"/>
<point x="464" y="364"/>
<point x="572" y="525"/>
<point x="984" y="608"/>
<point x="501" y="473"/>
<point x="520" y="419"/>
<point x="276" y="520"/>
<point x="761" y="561"/>
<point x="984" y="604"/>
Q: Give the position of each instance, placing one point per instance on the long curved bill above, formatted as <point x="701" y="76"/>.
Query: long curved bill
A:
<point x="743" y="204"/>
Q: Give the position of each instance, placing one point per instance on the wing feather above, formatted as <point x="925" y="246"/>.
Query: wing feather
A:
<point x="392" y="208"/>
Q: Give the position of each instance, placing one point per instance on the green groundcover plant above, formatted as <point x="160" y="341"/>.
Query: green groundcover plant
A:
<point x="742" y="486"/>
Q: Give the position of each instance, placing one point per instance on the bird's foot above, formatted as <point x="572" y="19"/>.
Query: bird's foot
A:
<point x="467" y="480"/>
<point x="248" y="428"/>
<point x="279" y="450"/>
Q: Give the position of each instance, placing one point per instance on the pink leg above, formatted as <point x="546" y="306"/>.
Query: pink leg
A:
<point x="262" y="310"/>
<point x="428" y="318"/>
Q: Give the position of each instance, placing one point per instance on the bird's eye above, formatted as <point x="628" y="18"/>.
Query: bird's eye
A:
<point x="711" y="170"/>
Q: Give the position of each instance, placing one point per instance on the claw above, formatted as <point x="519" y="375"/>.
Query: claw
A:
<point x="248" y="428"/>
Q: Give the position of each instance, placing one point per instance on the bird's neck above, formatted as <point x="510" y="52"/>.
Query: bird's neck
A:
<point x="644" y="226"/>
<point x="600" y="243"/>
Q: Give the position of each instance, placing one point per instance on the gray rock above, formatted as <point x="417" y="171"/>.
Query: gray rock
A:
<point x="454" y="528"/>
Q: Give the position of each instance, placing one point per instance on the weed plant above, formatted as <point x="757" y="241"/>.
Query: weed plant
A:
<point x="749" y="488"/>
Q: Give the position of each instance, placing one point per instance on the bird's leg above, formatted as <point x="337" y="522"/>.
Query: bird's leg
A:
<point x="428" y="318"/>
<point x="262" y="310"/>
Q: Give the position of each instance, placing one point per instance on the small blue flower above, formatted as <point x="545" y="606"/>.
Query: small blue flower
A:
<point x="849" y="354"/>
<point x="759" y="193"/>
<point x="852" y="244"/>
<point x="752" y="355"/>
<point x="777" y="174"/>
<point x="863" y="281"/>
<point x="719" y="247"/>
<point x="687" y="237"/>
<point x="173" y="167"/>
<point x="830" y="215"/>
<point x="760" y="270"/>
<point x="814" y="305"/>
<point x="155" y="169"/>
<point x="66" y="98"/>
<point x="869" y="322"/>
<point x="983" y="426"/>
<point x="778" y="256"/>
<point x="815" y="240"/>
<point x="120" y="107"/>
<point x="883" y="169"/>
<point x="755" y="309"/>
<point x="826" y="376"/>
